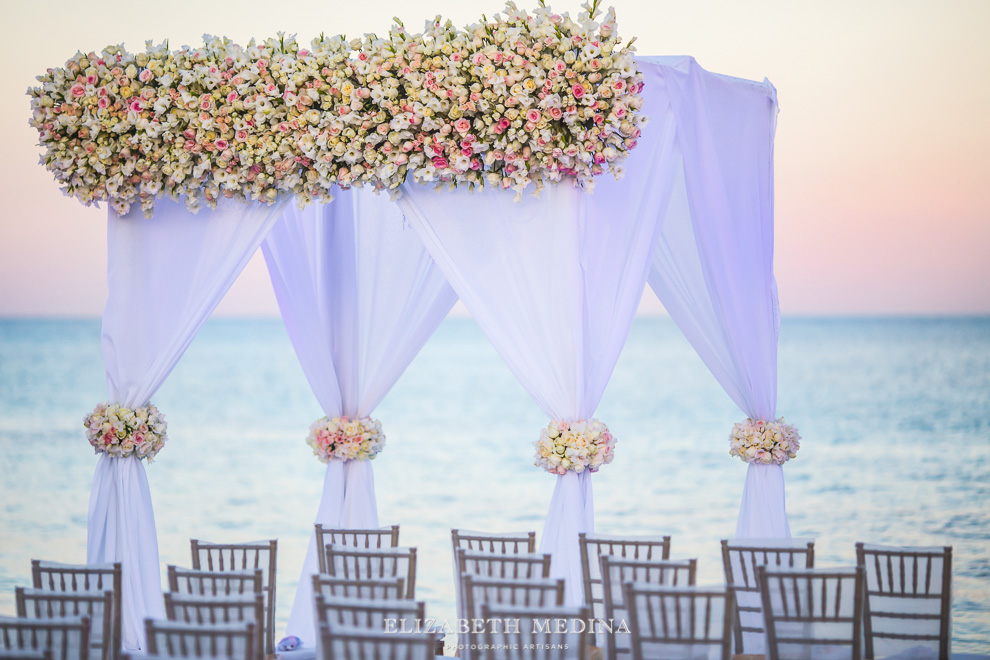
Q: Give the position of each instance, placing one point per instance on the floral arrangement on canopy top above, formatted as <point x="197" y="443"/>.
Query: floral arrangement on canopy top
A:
<point x="521" y="99"/>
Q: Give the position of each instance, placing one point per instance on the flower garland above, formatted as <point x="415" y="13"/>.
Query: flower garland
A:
<point x="577" y="446"/>
<point x="764" y="442"/>
<point x="343" y="439"/>
<point x="121" y="432"/>
<point x="519" y="99"/>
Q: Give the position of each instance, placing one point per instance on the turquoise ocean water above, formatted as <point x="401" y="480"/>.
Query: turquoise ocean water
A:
<point x="895" y="416"/>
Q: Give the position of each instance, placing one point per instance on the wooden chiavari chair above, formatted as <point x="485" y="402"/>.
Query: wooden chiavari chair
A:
<point x="372" y="564"/>
<point x="558" y="633"/>
<point x="812" y="612"/>
<point x="97" y="606"/>
<point x="225" y="640"/>
<point x="740" y="559"/>
<point x="908" y="599"/>
<point x="63" y="639"/>
<point x="616" y="571"/>
<point x="217" y="610"/>
<point x="207" y="556"/>
<point x="363" y="539"/>
<point x="679" y="623"/>
<point x="55" y="576"/>
<point x="594" y="546"/>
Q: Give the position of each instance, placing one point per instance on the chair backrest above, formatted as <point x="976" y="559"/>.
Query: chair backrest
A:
<point x="503" y="567"/>
<point x="223" y="640"/>
<point x="593" y="546"/>
<point x="331" y="587"/>
<point x="366" y="539"/>
<point x="544" y="633"/>
<point x="403" y="615"/>
<point x="679" y="623"/>
<point x="807" y="608"/>
<point x="214" y="583"/>
<point x="342" y="643"/>
<point x="213" y="610"/>
<point x="263" y="555"/>
<point x="96" y="605"/>
<point x="500" y="543"/>
<point x="66" y="639"/>
<point x="908" y="598"/>
<point x="615" y="571"/>
<point x="531" y="593"/>
<point x="511" y="543"/>
<point x="55" y="576"/>
<point x="740" y="559"/>
<point x="373" y="564"/>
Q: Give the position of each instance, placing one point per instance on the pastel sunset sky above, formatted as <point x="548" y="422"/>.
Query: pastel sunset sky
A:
<point x="882" y="151"/>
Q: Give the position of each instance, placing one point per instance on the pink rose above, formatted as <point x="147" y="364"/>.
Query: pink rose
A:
<point x="78" y="90"/>
<point x="462" y="125"/>
<point x="233" y="96"/>
<point x="533" y="115"/>
<point x="221" y="144"/>
<point x="440" y="162"/>
<point x="104" y="103"/>
<point x="577" y="90"/>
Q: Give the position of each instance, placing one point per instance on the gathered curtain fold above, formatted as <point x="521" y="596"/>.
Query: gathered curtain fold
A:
<point x="165" y="276"/>
<point x="359" y="296"/>
<point x="554" y="283"/>
<point x="713" y="264"/>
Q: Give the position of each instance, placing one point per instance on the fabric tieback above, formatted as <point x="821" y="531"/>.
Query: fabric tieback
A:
<point x="345" y="439"/>
<point x="120" y="432"/>
<point x="574" y="446"/>
<point x="764" y="442"/>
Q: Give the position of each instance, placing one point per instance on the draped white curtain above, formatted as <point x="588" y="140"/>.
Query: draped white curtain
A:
<point x="554" y="284"/>
<point x="165" y="276"/>
<point x="359" y="296"/>
<point x="713" y="264"/>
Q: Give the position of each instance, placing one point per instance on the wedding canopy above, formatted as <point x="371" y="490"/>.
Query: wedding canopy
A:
<point x="552" y="281"/>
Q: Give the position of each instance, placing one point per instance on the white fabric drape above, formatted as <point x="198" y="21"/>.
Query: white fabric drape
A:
<point x="359" y="296"/>
<point x="554" y="283"/>
<point x="713" y="264"/>
<point x="165" y="276"/>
